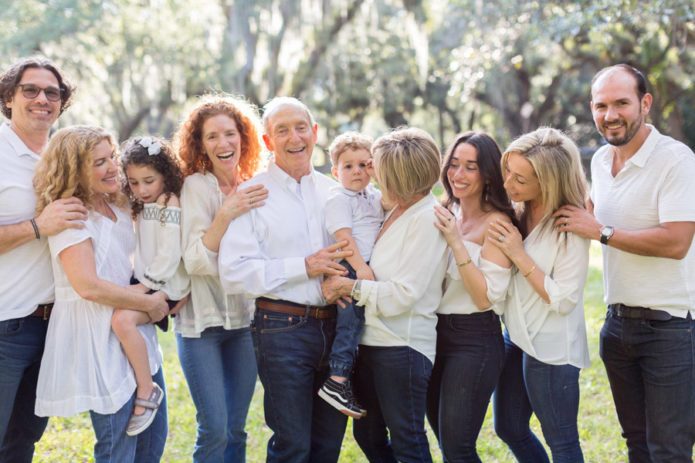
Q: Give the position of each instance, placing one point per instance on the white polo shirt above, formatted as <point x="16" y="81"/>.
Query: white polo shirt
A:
<point x="656" y="185"/>
<point x="26" y="278"/>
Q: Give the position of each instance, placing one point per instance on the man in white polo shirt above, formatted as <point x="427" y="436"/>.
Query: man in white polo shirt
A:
<point x="643" y="200"/>
<point x="33" y="93"/>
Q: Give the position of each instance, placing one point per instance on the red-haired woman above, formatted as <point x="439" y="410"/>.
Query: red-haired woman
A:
<point x="219" y="147"/>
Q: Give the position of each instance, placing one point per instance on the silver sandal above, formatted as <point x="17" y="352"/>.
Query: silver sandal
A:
<point x="138" y="423"/>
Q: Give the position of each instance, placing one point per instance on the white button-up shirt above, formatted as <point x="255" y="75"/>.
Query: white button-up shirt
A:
<point x="26" y="276"/>
<point x="262" y="252"/>
<point x="656" y="185"/>
<point x="555" y="332"/>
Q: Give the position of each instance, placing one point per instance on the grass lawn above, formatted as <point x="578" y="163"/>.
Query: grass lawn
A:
<point x="72" y="440"/>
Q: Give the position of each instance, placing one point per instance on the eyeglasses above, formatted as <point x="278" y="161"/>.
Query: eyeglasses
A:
<point x="31" y="91"/>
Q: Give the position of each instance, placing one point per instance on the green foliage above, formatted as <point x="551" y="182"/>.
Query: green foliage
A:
<point x="505" y="67"/>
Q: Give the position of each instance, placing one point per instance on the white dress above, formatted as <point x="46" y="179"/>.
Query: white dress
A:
<point x="83" y="366"/>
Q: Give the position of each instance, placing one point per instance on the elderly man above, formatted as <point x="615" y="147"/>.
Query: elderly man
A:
<point x="278" y="254"/>
<point x="33" y="93"/>
<point x="642" y="198"/>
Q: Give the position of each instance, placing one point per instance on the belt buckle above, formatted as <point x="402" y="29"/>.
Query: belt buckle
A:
<point x="316" y="311"/>
<point x="45" y="311"/>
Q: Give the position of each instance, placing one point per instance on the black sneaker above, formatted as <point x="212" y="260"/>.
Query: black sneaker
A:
<point x="339" y="395"/>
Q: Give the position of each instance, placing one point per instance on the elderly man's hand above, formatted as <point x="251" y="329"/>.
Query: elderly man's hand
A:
<point x="322" y="261"/>
<point x="336" y="288"/>
<point x="61" y="214"/>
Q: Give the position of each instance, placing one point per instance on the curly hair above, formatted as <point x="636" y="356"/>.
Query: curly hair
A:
<point x="188" y="140"/>
<point x="13" y="76"/>
<point x="489" y="155"/>
<point x="65" y="168"/>
<point x="164" y="162"/>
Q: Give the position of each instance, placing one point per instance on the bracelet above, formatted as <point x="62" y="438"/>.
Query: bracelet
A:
<point x="463" y="264"/>
<point x="530" y="271"/>
<point x="36" y="229"/>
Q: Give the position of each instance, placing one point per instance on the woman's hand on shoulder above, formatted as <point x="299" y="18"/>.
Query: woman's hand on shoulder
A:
<point x="506" y="237"/>
<point x="446" y="223"/>
<point x="241" y="201"/>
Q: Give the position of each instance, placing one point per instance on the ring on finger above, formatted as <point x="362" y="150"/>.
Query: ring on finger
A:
<point x="500" y="238"/>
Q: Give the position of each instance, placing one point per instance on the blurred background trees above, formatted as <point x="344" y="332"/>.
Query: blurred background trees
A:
<point x="503" y="66"/>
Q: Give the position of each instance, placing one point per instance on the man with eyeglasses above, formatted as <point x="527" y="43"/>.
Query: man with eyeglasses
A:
<point x="33" y="93"/>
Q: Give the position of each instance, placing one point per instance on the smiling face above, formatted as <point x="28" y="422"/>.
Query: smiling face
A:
<point x="351" y="170"/>
<point x="520" y="180"/>
<point x="222" y="145"/>
<point x="145" y="182"/>
<point x="463" y="173"/>
<point x="291" y="137"/>
<point x="616" y="107"/>
<point x="37" y="114"/>
<point x="104" y="170"/>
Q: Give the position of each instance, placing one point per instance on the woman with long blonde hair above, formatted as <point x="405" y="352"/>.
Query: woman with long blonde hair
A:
<point x="83" y="366"/>
<point x="545" y="337"/>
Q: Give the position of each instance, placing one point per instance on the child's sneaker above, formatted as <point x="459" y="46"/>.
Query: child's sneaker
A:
<point x="339" y="395"/>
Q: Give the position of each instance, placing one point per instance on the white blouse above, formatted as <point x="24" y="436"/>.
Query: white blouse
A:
<point x="208" y="306"/>
<point x="157" y="262"/>
<point x="457" y="299"/>
<point x="555" y="332"/>
<point x="409" y="262"/>
<point x="83" y="365"/>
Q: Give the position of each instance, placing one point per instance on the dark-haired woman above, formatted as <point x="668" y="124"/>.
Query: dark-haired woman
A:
<point x="470" y="346"/>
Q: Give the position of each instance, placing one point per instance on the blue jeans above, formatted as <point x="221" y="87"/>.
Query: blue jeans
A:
<point x="292" y="356"/>
<point x="349" y="327"/>
<point x="650" y="367"/>
<point x="220" y="369"/>
<point x="470" y="356"/>
<point x="21" y="347"/>
<point x="113" y="445"/>
<point x="391" y="383"/>
<point x="529" y="386"/>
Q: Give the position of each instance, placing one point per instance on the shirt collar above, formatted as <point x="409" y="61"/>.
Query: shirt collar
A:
<point x="283" y="178"/>
<point x="642" y="155"/>
<point x="15" y="142"/>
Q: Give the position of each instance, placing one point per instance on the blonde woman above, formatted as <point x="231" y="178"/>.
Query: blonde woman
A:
<point x="84" y="367"/>
<point x="545" y="341"/>
<point x="397" y="349"/>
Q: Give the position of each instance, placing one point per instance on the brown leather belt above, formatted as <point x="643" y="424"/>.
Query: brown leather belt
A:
<point x="43" y="311"/>
<point x="292" y="308"/>
<point x="641" y="313"/>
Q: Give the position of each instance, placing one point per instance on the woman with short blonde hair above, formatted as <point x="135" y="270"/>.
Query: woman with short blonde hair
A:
<point x="397" y="349"/>
<point x="545" y="337"/>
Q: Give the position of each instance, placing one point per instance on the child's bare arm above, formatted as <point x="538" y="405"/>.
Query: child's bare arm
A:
<point x="361" y="268"/>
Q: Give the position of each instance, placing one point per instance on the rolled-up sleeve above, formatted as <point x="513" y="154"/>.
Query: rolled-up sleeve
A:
<point x="565" y="283"/>
<point x="497" y="279"/>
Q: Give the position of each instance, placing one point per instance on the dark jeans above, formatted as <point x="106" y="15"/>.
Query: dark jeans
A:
<point x="650" y="369"/>
<point x="21" y="348"/>
<point x="529" y="386"/>
<point x="470" y="356"/>
<point x="292" y="357"/>
<point x="392" y="385"/>
<point x="348" y="330"/>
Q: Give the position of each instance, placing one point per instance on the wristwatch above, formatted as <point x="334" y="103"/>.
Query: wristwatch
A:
<point x="606" y="233"/>
<point x="356" y="293"/>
